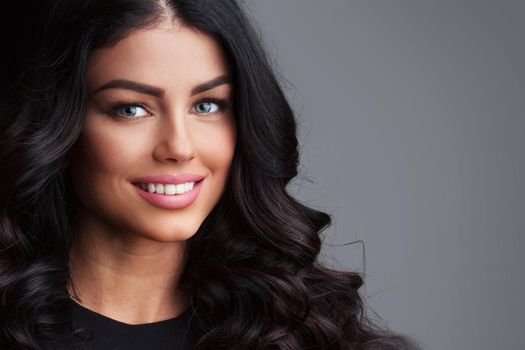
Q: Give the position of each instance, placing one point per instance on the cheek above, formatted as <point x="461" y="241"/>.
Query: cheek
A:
<point x="109" y="150"/>
<point x="102" y="159"/>
<point x="216" y="148"/>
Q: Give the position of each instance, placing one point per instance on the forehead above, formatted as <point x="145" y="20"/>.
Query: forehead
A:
<point x="173" y="57"/>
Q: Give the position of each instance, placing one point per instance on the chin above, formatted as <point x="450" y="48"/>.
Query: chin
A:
<point x="177" y="234"/>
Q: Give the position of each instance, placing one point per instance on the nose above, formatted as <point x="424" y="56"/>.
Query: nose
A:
<point x="175" y="142"/>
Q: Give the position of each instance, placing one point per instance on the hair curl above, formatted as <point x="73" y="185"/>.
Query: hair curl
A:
<point x="255" y="280"/>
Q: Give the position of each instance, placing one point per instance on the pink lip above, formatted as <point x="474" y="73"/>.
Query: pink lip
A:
<point x="169" y="178"/>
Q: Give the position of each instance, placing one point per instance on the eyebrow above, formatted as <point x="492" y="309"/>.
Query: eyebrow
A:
<point x="158" y="92"/>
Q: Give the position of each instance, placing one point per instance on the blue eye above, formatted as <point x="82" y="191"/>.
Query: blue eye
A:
<point x="207" y="107"/>
<point x="129" y="110"/>
<point x="212" y="106"/>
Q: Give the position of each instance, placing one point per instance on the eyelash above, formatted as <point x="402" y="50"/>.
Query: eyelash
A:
<point x="221" y="104"/>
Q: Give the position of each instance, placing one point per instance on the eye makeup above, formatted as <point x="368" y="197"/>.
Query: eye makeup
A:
<point x="119" y="104"/>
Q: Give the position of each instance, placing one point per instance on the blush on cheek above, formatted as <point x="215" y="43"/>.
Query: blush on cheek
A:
<point x="219" y="153"/>
<point x="112" y="149"/>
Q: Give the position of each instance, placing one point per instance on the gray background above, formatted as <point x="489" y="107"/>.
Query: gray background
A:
<point x="412" y="127"/>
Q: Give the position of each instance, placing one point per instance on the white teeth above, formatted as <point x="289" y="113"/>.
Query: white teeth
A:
<point x="180" y="188"/>
<point x="151" y="188"/>
<point x="169" y="189"/>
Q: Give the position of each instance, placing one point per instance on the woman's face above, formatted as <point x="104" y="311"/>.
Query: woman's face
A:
<point x="160" y="104"/>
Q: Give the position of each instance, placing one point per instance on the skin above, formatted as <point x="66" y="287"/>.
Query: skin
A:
<point x="128" y="259"/>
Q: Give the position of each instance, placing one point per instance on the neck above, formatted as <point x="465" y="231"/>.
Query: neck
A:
<point x="130" y="279"/>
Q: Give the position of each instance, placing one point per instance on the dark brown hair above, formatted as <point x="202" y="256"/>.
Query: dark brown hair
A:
<point x="253" y="269"/>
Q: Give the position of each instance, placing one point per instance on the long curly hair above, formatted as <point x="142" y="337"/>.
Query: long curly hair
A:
<point x="253" y="278"/>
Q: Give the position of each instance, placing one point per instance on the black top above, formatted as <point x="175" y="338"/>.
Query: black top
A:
<point x="94" y="331"/>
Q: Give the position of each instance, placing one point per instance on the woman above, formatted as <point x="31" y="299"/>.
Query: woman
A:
<point x="145" y="155"/>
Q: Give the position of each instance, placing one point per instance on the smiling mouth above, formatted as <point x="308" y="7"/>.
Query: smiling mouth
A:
<point x="167" y="189"/>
